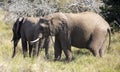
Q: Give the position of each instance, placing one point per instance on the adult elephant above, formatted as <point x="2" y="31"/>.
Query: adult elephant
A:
<point x="24" y="28"/>
<point x="82" y="30"/>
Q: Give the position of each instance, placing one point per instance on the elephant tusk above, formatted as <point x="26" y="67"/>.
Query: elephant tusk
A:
<point x="34" y="40"/>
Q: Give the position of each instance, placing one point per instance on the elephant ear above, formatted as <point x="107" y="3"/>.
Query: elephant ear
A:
<point x="15" y="24"/>
<point x="19" y="23"/>
<point x="16" y="28"/>
<point x="45" y="26"/>
<point x="44" y="23"/>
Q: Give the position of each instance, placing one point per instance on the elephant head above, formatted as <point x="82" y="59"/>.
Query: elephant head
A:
<point x="42" y="30"/>
<point x="50" y="26"/>
<point x="41" y="37"/>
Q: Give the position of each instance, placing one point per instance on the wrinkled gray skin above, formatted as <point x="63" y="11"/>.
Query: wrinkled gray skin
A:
<point x="24" y="28"/>
<point x="82" y="30"/>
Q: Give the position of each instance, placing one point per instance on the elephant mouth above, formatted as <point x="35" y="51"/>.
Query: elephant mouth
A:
<point x="36" y="40"/>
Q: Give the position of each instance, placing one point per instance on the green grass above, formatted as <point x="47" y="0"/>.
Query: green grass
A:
<point x="83" y="60"/>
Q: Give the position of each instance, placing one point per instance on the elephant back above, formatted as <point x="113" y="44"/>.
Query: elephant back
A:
<point x="33" y="20"/>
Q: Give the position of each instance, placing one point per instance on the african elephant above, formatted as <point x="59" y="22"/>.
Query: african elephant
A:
<point x="82" y="30"/>
<point x="24" y="28"/>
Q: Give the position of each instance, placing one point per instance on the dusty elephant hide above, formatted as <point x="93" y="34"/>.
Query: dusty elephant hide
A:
<point x="81" y="30"/>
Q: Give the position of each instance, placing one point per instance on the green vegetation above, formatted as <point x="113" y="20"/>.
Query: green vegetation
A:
<point x="111" y="12"/>
<point x="83" y="60"/>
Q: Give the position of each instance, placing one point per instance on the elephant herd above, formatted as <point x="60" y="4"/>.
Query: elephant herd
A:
<point x="82" y="30"/>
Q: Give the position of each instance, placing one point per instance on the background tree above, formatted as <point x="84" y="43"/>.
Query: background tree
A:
<point x="111" y="12"/>
<point x="22" y="8"/>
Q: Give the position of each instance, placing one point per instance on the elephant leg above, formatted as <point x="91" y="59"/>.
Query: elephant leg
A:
<point x="15" y="46"/>
<point x="94" y="47"/>
<point x="30" y="49"/>
<point x="94" y="51"/>
<point x="39" y="49"/>
<point x="68" y="53"/>
<point x="66" y="46"/>
<point x="47" y="46"/>
<point x="102" y="48"/>
<point x="24" y="47"/>
<point x="57" y="49"/>
<point x="101" y="51"/>
<point x="34" y="49"/>
<point x="40" y="46"/>
<point x="96" y="43"/>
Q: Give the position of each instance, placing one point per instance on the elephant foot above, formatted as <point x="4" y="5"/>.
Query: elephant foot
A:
<point x="34" y="54"/>
<point x="57" y="58"/>
<point x="30" y="56"/>
<point x="101" y="53"/>
<point x="96" y="54"/>
<point x="47" y="56"/>
<point x="68" y="59"/>
<point x="25" y="54"/>
<point x="13" y="56"/>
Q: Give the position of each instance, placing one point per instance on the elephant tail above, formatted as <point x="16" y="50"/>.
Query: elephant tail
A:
<point x="109" y="32"/>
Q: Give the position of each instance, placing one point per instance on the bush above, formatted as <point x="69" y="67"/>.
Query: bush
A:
<point x="111" y="12"/>
<point x="21" y="8"/>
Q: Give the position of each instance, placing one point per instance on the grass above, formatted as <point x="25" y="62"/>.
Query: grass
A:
<point x="83" y="61"/>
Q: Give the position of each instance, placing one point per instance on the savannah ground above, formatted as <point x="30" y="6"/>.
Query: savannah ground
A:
<point x="83" y="60"/>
